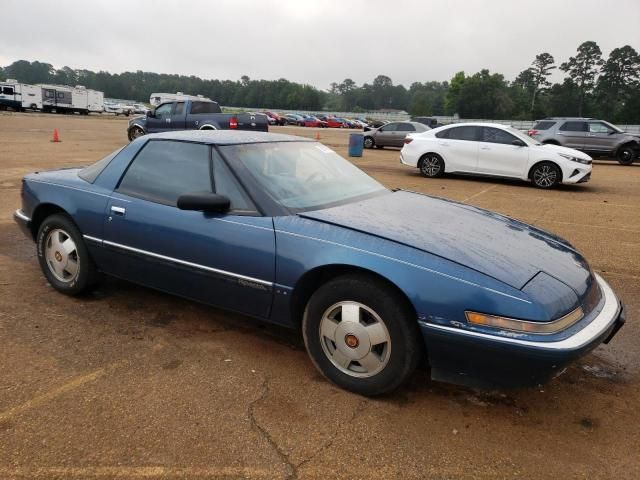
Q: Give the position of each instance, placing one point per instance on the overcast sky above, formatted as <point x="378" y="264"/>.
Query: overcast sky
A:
<point x="316" y="42"/>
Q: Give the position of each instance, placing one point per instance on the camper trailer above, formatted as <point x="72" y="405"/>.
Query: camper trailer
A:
<point x="19" y="96"/>
<point x="158" y="98"/>
<point x="64" y="99"/>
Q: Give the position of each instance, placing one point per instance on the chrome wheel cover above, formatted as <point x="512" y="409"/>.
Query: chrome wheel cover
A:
<point x="136" y="133"/>
<point x="431" y="166"/>
<point x="355" y="339"/>
<point x="61" y="255"/>
<point x="545" y="176"/>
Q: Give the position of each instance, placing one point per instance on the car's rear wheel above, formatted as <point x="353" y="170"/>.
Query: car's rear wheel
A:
<point x="369" y="142"/>
<point x="625" y="155"/>
<point x="546" y="175"/>
<point x="431" y="165"/>
<point x="361" y="335"/>
<point x="64" y="258"/>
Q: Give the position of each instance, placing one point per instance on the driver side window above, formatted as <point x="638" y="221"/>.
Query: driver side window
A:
<point x="392" y="127"/>
<point x="598" y="127"/>
<point x="226" y="184"/>
<point x="164" y="110"/>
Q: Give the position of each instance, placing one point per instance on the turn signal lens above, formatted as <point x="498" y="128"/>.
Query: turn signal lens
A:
<point x="408" y="140"/>
<point x="525" y="326"/>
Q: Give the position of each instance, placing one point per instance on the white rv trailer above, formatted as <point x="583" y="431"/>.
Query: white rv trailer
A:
<point x="20" y="96"/>
<point x="64" y="99"/>
<point x="158" y="98"/>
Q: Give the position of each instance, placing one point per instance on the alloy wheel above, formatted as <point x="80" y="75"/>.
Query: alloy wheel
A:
<point x="545" y="176"/>
<point x="431" y="166"/>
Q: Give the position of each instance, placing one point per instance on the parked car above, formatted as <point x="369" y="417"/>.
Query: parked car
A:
<point x="333" y="122"/>
<point x="140" y="108"/>
<point x="286" y="230"/>
<point x="311" y="121"/>
<point x="194" y="115"/>
<point x="497" y="150"/>
<point x="275" y="117"/>
<point x="589" y="135"/>
<point x="392" y="134"/>
<point x="373" y="124"/>
<point x="430" y="122"/>
<point x="293" y="119"/>
<point x="118" y="109"/>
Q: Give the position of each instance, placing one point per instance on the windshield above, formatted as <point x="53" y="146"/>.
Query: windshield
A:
<point x="613" y="127"/>
<point x="303" y="175"/>
<point x="523" y="136"/>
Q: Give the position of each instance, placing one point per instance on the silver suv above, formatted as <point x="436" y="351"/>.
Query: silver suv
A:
<point x="594" y="137"/>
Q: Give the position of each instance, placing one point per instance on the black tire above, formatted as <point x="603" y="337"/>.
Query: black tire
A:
<point x="369" y="142"/>
<point x="87" y="277"/>
<point x="625" y="155"/>
<point x="431" y="165"/>
<point x="546" y="175"/>
<point x="398" y="356"/>
<point x="135" y="132"/>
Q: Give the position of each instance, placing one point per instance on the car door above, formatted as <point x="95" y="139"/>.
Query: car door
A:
<point x="226" y="259"/>
<point x="573" y="133"/>
<point x="178" y="116"/>
<point x="402" y="130"/>
<point x="161" y="119"/>
<point x="600" y="137"/>
<point x="497" y="155"/>
<point x="459" y="147"/>
<point x="385" y="135"/>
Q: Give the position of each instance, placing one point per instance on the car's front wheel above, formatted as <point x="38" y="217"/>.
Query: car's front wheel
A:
<point x="63" y="256"/>
<point x="625" y="155"/>
<point x="431" y="165"/>
<point x="369" y="142"/>
<point x="546" y="175"/>
<point x="361" y="334"/>
<point x="135" y="132"/>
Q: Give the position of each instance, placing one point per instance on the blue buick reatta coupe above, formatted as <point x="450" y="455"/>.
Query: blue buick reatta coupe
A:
<point x="283" y="229"/>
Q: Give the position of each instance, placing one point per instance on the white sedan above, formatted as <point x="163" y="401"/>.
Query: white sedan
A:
<point x="496" y="150"/>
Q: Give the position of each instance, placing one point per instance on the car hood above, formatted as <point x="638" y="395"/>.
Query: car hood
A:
<point x="500" y="247"/>
<point x="566" y="150"/>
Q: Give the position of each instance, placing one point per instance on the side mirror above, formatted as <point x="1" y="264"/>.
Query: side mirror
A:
<point x="518" y="143"/>
<point x="204" y="202"/>
<point x="150" y="113"/>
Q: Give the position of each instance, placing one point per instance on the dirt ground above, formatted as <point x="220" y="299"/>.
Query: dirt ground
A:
<point x="131" y="383"/>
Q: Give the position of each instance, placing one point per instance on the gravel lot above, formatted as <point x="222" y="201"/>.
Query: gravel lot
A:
<point x="130" y="383"/>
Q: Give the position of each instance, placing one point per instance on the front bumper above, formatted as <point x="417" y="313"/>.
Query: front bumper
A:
<point x="481" y="360"/>
<point x="24" y="222"/>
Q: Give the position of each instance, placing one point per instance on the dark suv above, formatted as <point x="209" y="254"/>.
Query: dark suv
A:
<point x="595" y="137"/>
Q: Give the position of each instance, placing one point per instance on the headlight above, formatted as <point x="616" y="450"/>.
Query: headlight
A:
<point x="575" y="159"/>
<point x="525" y="326"/>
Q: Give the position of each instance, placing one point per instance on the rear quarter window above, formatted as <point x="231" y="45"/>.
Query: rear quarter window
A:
<point x="544" y="125"/>
<point x="90" y="173"/>
<point x="205" y="107"/>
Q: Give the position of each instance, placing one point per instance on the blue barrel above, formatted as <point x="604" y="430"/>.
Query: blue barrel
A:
<point x="356" y="144"/>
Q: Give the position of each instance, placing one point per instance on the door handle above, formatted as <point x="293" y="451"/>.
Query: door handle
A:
<point x="444" y="144"/>
<point x="118" y="210"/>
<point x="485" y="148"/>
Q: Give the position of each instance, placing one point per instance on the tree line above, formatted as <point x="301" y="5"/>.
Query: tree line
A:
<point x="592" y="86"/>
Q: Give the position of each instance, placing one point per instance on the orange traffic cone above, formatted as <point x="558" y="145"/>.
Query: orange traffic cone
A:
<point x="56" y="137"/>
<point x="317" y="135"/>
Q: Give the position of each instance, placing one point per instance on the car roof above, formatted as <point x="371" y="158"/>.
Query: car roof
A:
<point x="477" y="124"/>
<point x="227" y="137"/>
